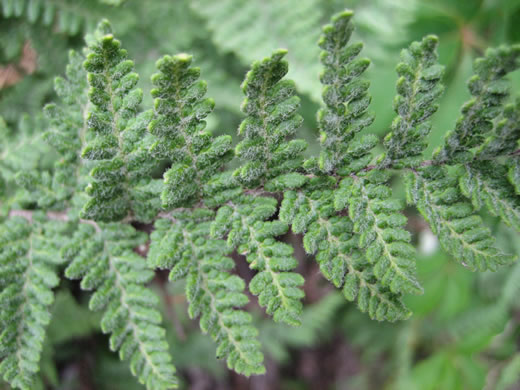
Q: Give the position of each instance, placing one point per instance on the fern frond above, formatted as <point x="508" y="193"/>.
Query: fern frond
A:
<point x="22" y="149"/>
<point x="94" y="201"/>
<point x="271" y="108"/>
<point x="25" y="163"/>
<point x="379" y="223"/>
<point x="505" y="135"/>
<point x="65" y="131"/>
<point x="66" y="134"/>
<point x="180" y="109"/>
<point x="66" y="16"/>
<point x="436" y="194"/>
<point x="106" y="263"/>
<point x="418" y="87"/>
<point x="168" y="247"/>
<point x="28" y="256"/>
<point x="68" y="120"/>
<point x="116" y="136"/>
<point x="345" y="92"/>
<point x="214" y="293"/>
<point x="489" y="89"/>
<point x="341" y="261"/>
<point x="183" y="244"/>
<point x="486" y="184"/>
<point x="248" y="231"/>
<point x="291" y="24"/>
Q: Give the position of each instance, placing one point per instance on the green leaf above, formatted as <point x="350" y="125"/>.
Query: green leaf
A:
<point x="379" y="223"/>
<point x="66" y="16"/>
<point x="278" y="288"/>
<point x="486" y="184"/>
<point x="183" y="244"/>
<point x="489" y="90"/>
<point x="106" y="263"/>
<point x="509" y="374"/>
<point x="513" y="173"/>
<point x="345" y="92"/>
<point x="337" y="251"/>
<point x="271" y="107"/>
<point x="293" y="24"/>
<point x="116" y="135"/>
<point x="29" y="253"/>
<point x="67" y="131"/>
<point x="418" y="87"/>
<point x="179" y="127"/>
<point x="505" y="135"/>
<point x="461" y="232"/>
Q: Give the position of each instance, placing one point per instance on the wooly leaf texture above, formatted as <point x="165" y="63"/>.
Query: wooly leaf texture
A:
<point x="136" y="189"/>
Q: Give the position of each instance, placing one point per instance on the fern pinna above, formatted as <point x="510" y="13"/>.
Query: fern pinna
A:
<point x="86" y="213"/>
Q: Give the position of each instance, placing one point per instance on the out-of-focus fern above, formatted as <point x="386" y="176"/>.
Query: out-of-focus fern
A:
<point x="66" y="132"/>
<point x="68" y="16"/>
<point x="291" y="24"/>
<point x="317" y="322"/>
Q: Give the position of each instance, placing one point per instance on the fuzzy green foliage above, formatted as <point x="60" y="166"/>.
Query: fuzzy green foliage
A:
<point x="336" y="246"/>
<point x="183" y="244"/>
<point x="29" y="254"/>
<point x="180" y="109"/>
<point x="23" y="156"/>
<point x="486" y="184"/>
<point x="66" y="133"/>
<point x="418" y="87"/>
<point x="248" y="231"/>
<point x="116" y="136"/>
<point x="271" y="108"/>
<point x="502" y="140"/>
<point x="105" y="262"/>
<point x="68" y="120"/>
<point x="17" y="141"/>
<point x="473" y="163"/>
<point x="461" y="231"/>
<point x="317" y="323"/>
<point x="513" y="173"/>
<point x="380" y="225"/>
<point x="510" y="374"/>
<point x="99" y="200"/>
<point x="489" y="90"/>
<point x="345" y="94"/>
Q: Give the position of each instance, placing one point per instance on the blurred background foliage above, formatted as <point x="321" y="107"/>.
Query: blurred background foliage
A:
<point x="465" y="331"/>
